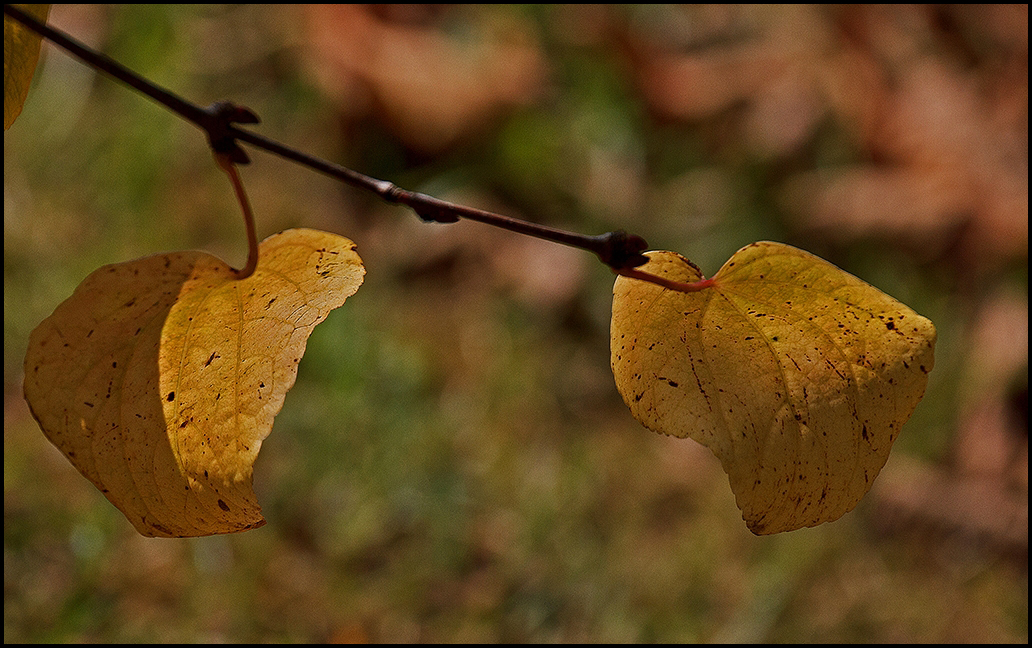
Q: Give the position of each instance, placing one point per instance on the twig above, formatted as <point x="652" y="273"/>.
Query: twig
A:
<point x="619" y="250"/>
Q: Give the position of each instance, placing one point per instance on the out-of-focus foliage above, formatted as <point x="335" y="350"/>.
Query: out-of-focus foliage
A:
<point x="454" y="462"/>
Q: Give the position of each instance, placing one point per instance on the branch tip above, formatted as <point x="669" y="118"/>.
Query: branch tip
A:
<point x="620" y="250"/>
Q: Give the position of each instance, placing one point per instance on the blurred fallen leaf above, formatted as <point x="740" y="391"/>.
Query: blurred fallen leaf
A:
<point x="943" y="124"/>
<point x="431" y="87"/>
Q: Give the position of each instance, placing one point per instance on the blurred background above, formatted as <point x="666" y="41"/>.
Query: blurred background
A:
<point x="454" y="462"/>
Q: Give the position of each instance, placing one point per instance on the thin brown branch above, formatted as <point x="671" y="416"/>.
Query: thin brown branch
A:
<point x="618" y="250"/>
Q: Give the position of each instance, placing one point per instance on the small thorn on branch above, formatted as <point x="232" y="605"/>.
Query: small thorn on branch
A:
<point x="428" y="208"/>
<point x="432" y="214"/>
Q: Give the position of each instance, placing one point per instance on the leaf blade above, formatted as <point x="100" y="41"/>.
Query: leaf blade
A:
<point x="21" y="53"/>
<point x="841" y="365"/>
<point x="159" y="378"/>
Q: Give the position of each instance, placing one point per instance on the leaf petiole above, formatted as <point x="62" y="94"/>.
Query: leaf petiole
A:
<point x="679" y="286"/>
<point x="225" y="162"/>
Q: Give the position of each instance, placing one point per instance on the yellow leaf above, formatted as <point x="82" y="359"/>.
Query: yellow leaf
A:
<point x="159" y="378"/>
<point x="21" y="53"/>
<point x="797" y="375"/>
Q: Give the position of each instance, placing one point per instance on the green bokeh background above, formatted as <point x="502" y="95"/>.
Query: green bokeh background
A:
<point x="454" y="463"/>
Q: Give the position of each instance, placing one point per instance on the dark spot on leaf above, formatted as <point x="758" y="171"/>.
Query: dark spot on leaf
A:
<point x="171" y="396"/>
<point x="890" y="326"/>
<point x="210" y="359"/>
<point x="671" y="383"/>
<point x="223" y="506"/>
<point x="87" y="404"/>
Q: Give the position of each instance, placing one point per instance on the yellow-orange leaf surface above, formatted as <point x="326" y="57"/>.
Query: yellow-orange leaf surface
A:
<point x="797" y="375"/>
<point x="159" y="378"/>
<point x="21" y="53"/>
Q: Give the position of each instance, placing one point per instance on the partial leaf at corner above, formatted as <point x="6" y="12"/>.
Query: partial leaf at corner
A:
<point x="21" y="53"/>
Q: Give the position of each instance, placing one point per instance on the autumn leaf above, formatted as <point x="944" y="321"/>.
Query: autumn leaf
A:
<point x="797" y="375"/>
<point x="21" y="53"/>
<point x="159" y="378"/>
